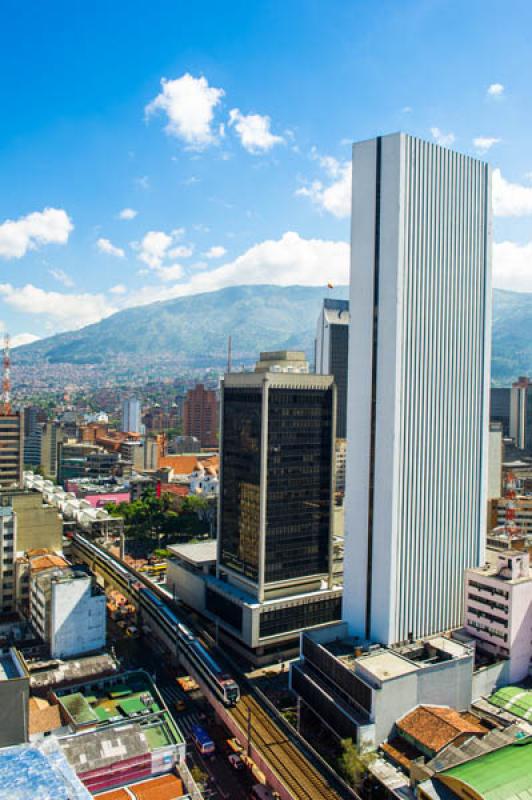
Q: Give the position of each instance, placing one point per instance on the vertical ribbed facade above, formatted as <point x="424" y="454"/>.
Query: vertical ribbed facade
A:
<point x="418" y="408"/>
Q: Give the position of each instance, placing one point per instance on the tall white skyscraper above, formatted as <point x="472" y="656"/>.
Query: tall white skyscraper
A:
<point x="131" y="416"/>
<point x="418" y="403"/>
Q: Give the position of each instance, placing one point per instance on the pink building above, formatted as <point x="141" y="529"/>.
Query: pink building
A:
<point x="101" y="500"/>
<point x="498" y="609"/>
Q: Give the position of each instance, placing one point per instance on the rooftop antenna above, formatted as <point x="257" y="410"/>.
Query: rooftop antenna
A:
<point x="6" y="382"/>
<point x="229" y="354"/>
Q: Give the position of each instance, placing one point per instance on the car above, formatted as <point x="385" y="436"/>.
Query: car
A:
<point x="180" y="705"/>
<point x="235" y="761"/>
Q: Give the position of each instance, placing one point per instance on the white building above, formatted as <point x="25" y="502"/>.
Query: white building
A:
<point x="498" y="610"/>
<point x="131" y="416"/>
<point x="418" y="405"/>
<point x="68" y="610"/>
<point x="495" y="458"/>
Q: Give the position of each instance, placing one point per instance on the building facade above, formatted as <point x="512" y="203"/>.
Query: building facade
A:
<point x="25" y="524"/>
<point x="131" y="416"/>
<point x="200" y="415"/>
<point x="11" y="448"/>
<point x="500" y="408"/>
<point x="420" y="322"/>
<point x="68" y="610"/>
<point x="521" y="414"/>
<point x="498" y="612"/>
<point x="331" y="353"/>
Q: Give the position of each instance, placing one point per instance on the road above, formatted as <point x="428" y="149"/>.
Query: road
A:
<point x="225" y="783"/>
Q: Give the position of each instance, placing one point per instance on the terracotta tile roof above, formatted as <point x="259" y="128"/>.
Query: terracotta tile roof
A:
<point x="434" y="727"/>
<point x="401" y="752"/>
<point x="167" y="787"/>
<point x="42" y="716"/>
<point x="38" y="563"/>
<point x="181" y="465"/>
<point x="175" y="488"/>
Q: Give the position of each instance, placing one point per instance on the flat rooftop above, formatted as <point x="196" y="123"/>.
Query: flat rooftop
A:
<point x="130" y="697"/>
<point x="197" y="553"/>
<point x="39" y="772"/>
<point x="10" y="666"/>
<point x="57" y="673"/>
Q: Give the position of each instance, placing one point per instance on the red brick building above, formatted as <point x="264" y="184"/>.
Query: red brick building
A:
<point x="200" y="415"/>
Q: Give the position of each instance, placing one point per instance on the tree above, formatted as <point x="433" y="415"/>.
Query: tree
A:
<point x="352" y="764"/>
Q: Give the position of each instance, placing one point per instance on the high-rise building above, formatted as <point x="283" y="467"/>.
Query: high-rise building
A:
<point x="131" y="415"/>
<point x="521" y="414"/>
<point x="418" y="405"/>
<point x="274" y="559"/>
<point x="500" y="407"/>
<point x="331" y="353"/>
<point x="200" y="415"/>
<point x="11" y="448"/>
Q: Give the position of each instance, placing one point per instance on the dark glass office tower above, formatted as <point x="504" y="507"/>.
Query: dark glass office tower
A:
<point x="277" y="478"/>
<point x="332" y="351"/>
<point x="500" y="399"/>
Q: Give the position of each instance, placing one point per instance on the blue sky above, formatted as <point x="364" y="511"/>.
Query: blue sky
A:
<point x="225" y="130"/>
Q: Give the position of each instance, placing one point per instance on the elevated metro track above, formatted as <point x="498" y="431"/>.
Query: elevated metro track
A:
<point x="297" y="772"/>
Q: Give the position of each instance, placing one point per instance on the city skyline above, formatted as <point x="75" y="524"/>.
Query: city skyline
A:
<point x="170" y="131"/>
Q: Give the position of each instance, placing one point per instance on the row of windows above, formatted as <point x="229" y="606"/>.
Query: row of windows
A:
<point x="486" y="629"/>
<point x="485" y="615"/>
<point x="224" y="608"/>
<point x="490" y="603"/>
<point x="490" y="589"/>
<point x="282" y="620"/>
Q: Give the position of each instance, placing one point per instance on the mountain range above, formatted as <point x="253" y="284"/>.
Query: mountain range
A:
<point x="193" y="330"/>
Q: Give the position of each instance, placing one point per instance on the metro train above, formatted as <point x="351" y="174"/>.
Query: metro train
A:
<point x="212" y="674"/>
<point x="181" y="637"/>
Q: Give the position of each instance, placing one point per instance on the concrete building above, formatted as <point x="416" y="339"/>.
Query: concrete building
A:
<point x="498" y="612"/>
<point x="420" y="321"/>
<point x="359" y="692"/>
<point x="200" y="415"/>
<point x="521" y="414"/>
<point x="275" y="559"/>
<point x="131" y="416"/>
<point x="495" y="461"/>
<point x="500" y="408"/>
<point x="68" y="610"/>
<point x="14" y="696"/>
<point x="331" y="354"/>
<point x="11" y="448"/>
<point x="26" y="523"/>
<point x="282" y="361"/>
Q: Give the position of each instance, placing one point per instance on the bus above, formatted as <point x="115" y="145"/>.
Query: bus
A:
<point x="202" y="741"/>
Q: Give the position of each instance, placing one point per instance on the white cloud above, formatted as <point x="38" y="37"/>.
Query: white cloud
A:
<point x="61" y="277"/>
<point x="64" y="310"/>
<point x="512" y="266"/>
<point x="484" y="143"/>
<point x="441" y="138"/>
<point x="216" y="251"/>
<point x="50" y="226"/>
<point x="181" y="251"/>
<point x="406" y="110"/>
<point x="510" y="199"/>
<point x="23" y="338"/>
<point x="143" y="182"/>
<point x="189" y="104"/>
<point x="171" y="273"/>
<point x="153" y="248"/>
<point x="285" y="261"/>
<point x="107" y="247"/>
<point x="334" y="197"/>
<point x="158" y="246"/>
<point x="128" y="213"/>
<point x="118" y="289"/>
<point x="495" y="90"/>
<point x="254" y="131"/>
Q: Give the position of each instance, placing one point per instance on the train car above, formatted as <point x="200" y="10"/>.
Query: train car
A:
<point x="202" y="741"/>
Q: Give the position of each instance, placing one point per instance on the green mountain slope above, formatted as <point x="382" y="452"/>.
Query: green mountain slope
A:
<point x="194" y="330"/>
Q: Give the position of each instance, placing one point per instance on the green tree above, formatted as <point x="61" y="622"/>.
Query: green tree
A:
<point x="352" y="764"/>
